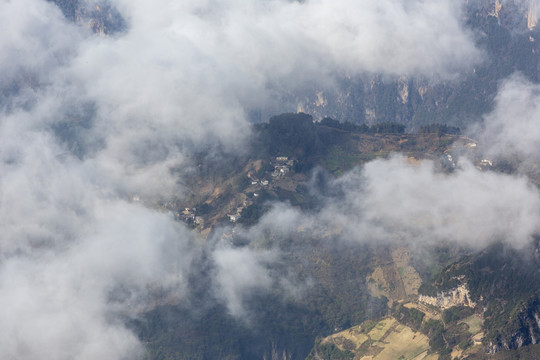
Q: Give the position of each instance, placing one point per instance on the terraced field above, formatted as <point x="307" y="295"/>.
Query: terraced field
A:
<point x="386" y="339"/>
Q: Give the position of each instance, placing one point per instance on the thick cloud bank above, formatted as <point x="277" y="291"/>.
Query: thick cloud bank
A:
<point x="187" y="74"/>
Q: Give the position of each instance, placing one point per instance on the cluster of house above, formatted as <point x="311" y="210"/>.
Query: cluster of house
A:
<point x="282" y="165"/>
<point x="189" y="216"/>
<point x="234" y="217"/>
<point x="255" y="181"/>
<point x="485" y="164"/>
<point x="280" y="170"/>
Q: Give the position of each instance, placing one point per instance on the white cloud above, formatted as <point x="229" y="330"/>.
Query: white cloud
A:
<point x="240" y="271"/>
<point x="35" y="39"/>
<point x="397" y="201"/>
<point x="67" y="246"/>
<point x="392" y="201"/>
<point x="513" y="127"/>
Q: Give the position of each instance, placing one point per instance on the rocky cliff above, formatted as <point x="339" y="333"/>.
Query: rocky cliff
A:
<point x="459" y="296"/>
<point x="505" y="31"/>
<point x="522" y="331"/>
<point x="98" y="15"/>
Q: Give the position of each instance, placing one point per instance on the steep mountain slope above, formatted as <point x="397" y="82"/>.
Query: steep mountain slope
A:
<point x="335" y="275"/>
<point x="99" y="16"/>
<point x="484" y="305"/>
<point x="508" y="35"/>
<point x="505" y="31"/>
<point x="456" y="303"/>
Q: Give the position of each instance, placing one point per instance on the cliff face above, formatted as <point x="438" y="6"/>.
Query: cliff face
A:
<point x="501" y="281"/>
<point x="525" y="329"/>
<point x="98" y="15"/>
<point x="505" y="30"/>
<point x="532" y="16"/>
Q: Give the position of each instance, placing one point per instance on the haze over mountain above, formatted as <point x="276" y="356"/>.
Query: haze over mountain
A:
<point x="110" y="109"/>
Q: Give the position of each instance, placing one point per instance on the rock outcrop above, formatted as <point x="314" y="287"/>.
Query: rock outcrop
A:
<point x="444" y="300"/>
<point x="532" y="16"/>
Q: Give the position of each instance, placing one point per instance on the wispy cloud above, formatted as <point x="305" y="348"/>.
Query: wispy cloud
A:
<point x="513" y="128"/>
